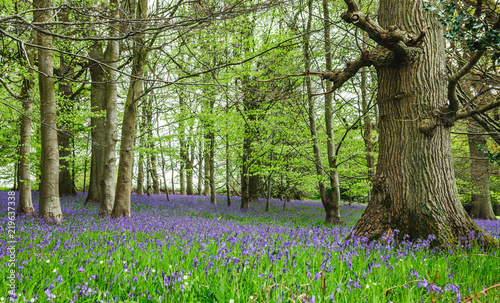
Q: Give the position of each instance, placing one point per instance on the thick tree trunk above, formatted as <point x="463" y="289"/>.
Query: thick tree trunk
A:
<point x="98" y="105"/>
<point x="121" y="206"/>
<point x="25" y="205"/>
<point x="332" y="203"/>
<point x="414" y="189"/>
<point x="108" y="181"/>
<point x="50" y="207"/>
<point x="480" y="175"/>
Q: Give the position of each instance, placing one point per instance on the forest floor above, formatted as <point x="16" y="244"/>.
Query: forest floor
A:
<point x="189" y="250"/>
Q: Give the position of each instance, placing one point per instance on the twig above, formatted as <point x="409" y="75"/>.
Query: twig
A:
<point x="482" y="292"/>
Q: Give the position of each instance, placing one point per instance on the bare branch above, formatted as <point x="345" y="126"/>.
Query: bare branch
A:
<point x="462" y="114"/>
<point x="393" y="38"/>
<point x="9" y="90"/>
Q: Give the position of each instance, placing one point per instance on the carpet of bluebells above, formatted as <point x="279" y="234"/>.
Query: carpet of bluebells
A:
<point x="189" y="250"/>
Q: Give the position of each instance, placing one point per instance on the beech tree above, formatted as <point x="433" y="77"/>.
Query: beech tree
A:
<point x="50" y="207"/>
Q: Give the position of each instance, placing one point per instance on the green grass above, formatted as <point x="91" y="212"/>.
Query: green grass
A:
<point x="218" y="256"/>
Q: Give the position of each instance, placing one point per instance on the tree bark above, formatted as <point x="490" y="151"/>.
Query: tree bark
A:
<point x="206" y="161"/>
<point x="182" y="146"/>
<point x="480" y="175"/>
<point x="189" y="164"/>
<point x="66" y="182"/>
<point x="140" y="161"/>
<point x="312" y="118"/>
<point x="121" y="206"/>
<point x="213" y="197"/>
<point x="153" y="172"/>
<point x="200" y="167"/>
<point x="108" y="181"/>
<point x="414" y="189"/>
<point x="332" y="203"/>
<point x="367" y="121"/>
<point x="25" y="205"/>
<point x="97" y="121"/>
<point x="50" y="206"/>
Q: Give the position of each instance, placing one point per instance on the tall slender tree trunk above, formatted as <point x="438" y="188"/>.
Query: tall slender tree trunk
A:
<point x="66" y="182"/>
<point x="153" y="171"/>
<point x="98" y="106"/>
<point x="108" y="181"/>
<point x="182" y="145"/>
<point x="332" y="203"/>
<point x="206" y="162"/>
<point x="121" y="206"/>
<point x="367" y="121"/>
<point x="213" y="197"/>
<point x="162" y="158"/>
<point x="25" y="205"/>
<point x="140" y="161"/>
<point x="50" y="206"/>
<point x="480" y="175"/>
<point x="189" y="164"/>
<point x="148" y="176"/>
<point x="312" y="118"/>
<point x="200" y="167"/>
<point x="414" y="189"/>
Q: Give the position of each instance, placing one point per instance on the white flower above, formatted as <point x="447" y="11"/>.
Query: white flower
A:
<point x="125" y="270"/>
<point x="367" y="285"/>
<point x="185" y="277"/>
<point x="231" y="301"/>
<point x="251" y="297"/>
<point x="153" y="270"/>
<point x="100" y="262"/>
<point x="124" y="262"/>
<point x="47" y="261"/>
<point x="55" y="270"/>
<point x="170" y="266"/>
<point x="186" y="283"/>
<point x="32" y="300"/>
<point x="2" y="298"/>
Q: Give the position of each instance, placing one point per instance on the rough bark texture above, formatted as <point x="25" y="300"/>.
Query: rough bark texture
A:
<point x="98" y="104"/>
<point x="332" y="205"/>
<point x="480" y="175"/>
<point x="50" y="207"/>
<point x="25" y="205"/>
<point x="121" y="206"/>
<point x="108" y="180"/>
<point x="414" y="189"/>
